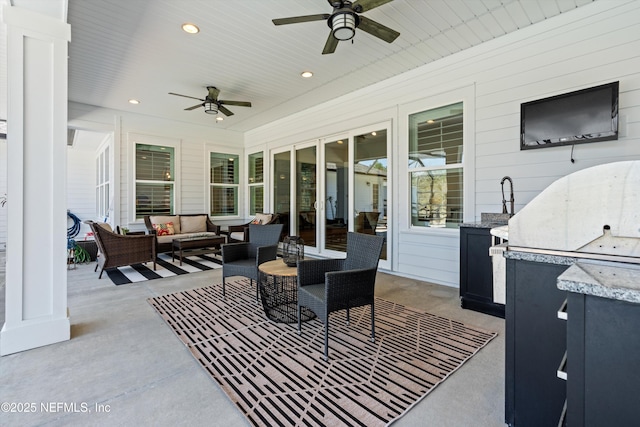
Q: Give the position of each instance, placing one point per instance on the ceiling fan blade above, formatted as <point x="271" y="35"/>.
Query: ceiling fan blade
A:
<point x="224" y="111"/>
<point x="186" y="96"/>
<point x="239" y="103"/>
<point x="364" y="5"/>
<point x="296" y="19"/>
<point x="330" y="45"/>
<point x="376" y="29"/>
<point x="194" y="107"/>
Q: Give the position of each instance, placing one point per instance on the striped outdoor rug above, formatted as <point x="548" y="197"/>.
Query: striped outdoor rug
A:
<point x="277" y="378"/>
<point x="164" y="268"/>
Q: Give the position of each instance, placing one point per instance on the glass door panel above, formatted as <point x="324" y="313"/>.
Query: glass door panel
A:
<point x="336" y="198"/>
<point x="305" y="200"/>
<point x="282" y="187"/>
<point x="370" y="184"/>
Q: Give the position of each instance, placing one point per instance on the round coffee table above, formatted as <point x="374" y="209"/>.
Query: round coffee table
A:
<point x="278" y="284"/>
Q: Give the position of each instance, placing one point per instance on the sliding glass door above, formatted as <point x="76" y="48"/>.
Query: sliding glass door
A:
<point x="326" y="188"/>
<point x="281" y="163"/>
<point x="306" y="190"/>
<point x="370" y="181"/>
<point x="336" y="194"/>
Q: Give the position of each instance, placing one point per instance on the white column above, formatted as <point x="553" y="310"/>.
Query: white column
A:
<point x="36" y="276"/>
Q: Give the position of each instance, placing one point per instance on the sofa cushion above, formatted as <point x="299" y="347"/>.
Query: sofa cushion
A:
<point x="163" y="219"/>
<point x="193" y="224"/>
<point x="164" y="229"/>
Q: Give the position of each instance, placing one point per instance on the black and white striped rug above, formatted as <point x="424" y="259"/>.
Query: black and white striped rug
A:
<point x="164" y="268"/>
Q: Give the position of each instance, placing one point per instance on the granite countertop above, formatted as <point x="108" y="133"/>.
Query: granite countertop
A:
<point x="618" y="281"/>
<point x="482" y="224"/>
<point x="488" y="220"/>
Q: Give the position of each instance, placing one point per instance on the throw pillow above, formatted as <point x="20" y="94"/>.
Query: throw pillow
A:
<point x="164" y="219"/>
<point x="256" y="221"/>
<point x="164" y="229"/>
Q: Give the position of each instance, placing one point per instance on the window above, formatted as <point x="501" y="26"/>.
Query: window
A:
<point x="435" y="166"/>
<point x="155" y="185"/>
<point x="223" y="183"/>
<point x="102" y="184"/>
<point x="256" y="183"/>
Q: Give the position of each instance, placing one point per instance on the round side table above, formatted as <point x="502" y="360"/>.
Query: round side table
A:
<point x="278" y="284"/>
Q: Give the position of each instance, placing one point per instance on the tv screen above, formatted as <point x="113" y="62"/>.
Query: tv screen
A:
<point x="586" y="115"/>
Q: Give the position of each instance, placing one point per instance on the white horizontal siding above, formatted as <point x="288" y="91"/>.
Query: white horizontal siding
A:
<point x="81" y="187"/>
<point x="594" y="44"/>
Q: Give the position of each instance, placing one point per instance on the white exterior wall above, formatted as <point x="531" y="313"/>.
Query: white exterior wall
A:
<point x="81" y="187"/>
<point x="592" y="45"/>
<point x="193" y="145"/>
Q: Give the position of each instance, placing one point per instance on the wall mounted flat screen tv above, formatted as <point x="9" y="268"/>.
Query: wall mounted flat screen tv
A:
<point x="586" y="115"/>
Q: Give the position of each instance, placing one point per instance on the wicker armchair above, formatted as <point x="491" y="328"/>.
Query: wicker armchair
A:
<point x="243" y="259"/>
<point x="117" y="250"/>
<point x="328" y="285"/>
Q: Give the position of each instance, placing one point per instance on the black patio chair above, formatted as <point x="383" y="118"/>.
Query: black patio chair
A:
<point x="243" y="259"/>
<point x="329" y="285"/>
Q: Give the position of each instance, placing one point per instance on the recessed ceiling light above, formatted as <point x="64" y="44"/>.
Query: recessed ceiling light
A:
<point x="190" y="28"/>
<point x="219" y="118"/>
<point x="374" y="133"/>
<point x="134" y="101"/>
<point x="306" y="74"/>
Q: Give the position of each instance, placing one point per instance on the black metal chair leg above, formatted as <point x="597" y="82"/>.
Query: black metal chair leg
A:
<point x="373" y="326"/>
<point x="326" y="339"/>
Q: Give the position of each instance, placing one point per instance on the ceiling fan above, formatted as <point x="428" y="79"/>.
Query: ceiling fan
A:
<point x="344" y="20"/>
<point x="212" y="104"/>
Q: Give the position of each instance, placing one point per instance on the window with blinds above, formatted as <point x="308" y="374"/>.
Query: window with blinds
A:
<point x="223" y="184"/>
<point x="154" y="180"/>
<point x="435" y="166"/>
<point x="256" y="183"/>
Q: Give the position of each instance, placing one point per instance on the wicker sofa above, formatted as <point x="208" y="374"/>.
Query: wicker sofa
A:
<point x="182" y="226"/>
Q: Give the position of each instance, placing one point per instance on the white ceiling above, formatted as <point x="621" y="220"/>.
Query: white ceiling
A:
<point x="122" y="49"/>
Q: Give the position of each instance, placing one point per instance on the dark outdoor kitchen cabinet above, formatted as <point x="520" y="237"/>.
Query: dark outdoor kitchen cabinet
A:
<point x="476" y="272"/>
<point x="603" y="361"/>
<point x="535" y="344"/>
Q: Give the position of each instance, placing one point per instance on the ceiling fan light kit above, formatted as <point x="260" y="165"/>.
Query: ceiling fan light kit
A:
<point x="210" y="107"/>
<point x="343" y="25"/>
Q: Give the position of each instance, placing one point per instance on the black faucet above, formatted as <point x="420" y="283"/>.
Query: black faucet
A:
<point x="504" y="201"/>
